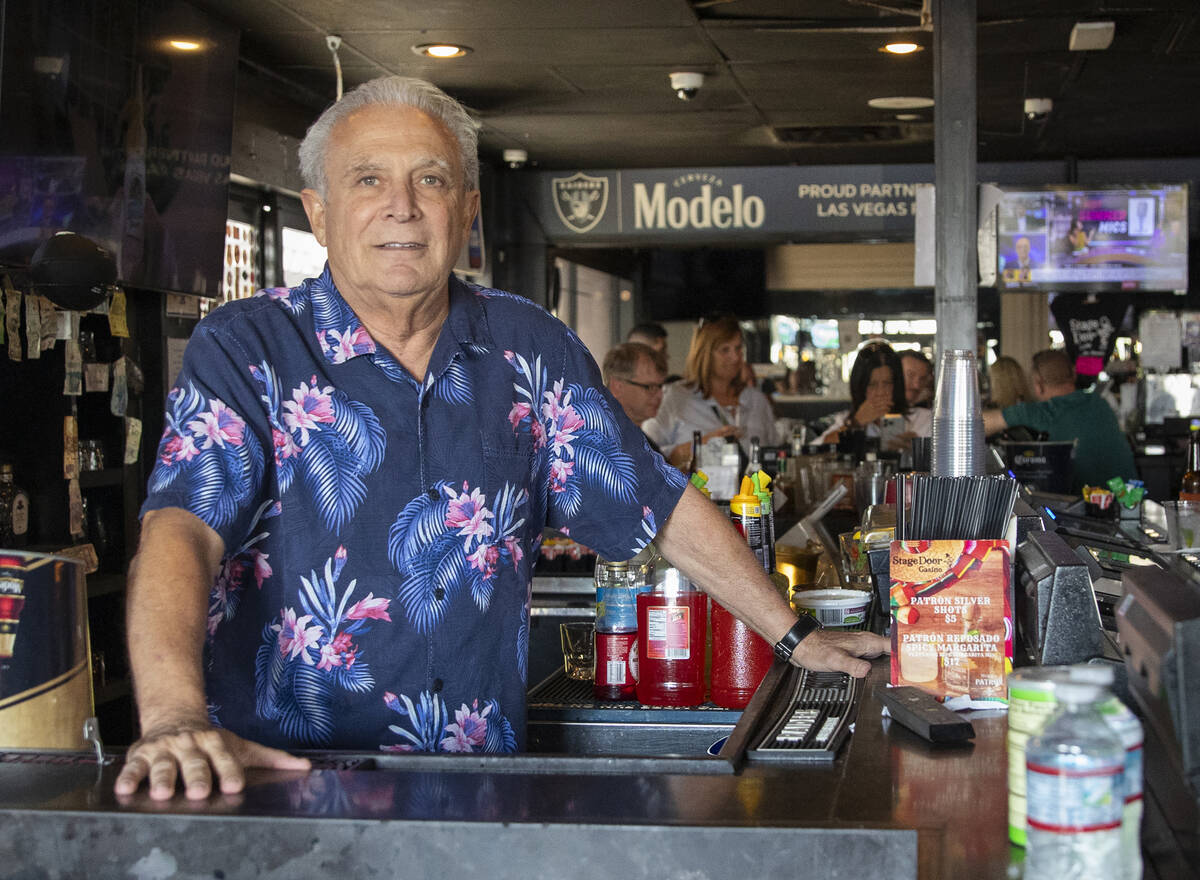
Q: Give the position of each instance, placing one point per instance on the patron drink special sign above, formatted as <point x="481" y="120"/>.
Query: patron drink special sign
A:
<point x="952" y="629"/>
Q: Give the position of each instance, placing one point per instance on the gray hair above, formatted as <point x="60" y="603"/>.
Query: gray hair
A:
<point x="397" y="91"/>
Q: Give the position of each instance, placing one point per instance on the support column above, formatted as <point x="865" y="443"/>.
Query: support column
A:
<point x="954" y="81"/>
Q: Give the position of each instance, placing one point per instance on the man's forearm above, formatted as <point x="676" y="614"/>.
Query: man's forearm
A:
<point x="704" y="545"/>
<point x="169" y="583"/>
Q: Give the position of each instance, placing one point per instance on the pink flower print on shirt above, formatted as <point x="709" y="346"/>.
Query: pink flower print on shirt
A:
<point x="346" y="344"/>
<point x="468" y="514"/>
<point x="564" y="421"/>
<point x="178" y="448"/>
<point x="518" y="413"/>
<point x="468" y="731"/>
<point x="338" y="652"/>
<point x="262" y="569"/>
<point x="220" y="425"/>
<point x="285" y="446"/>
<point x="484" y="559"/>
<point x="560" y="472"/>
<point x="309" y="408"/>
<point x="370" y="607"/>
<point x="295" y="635"/>
<point x="514" y="551"/>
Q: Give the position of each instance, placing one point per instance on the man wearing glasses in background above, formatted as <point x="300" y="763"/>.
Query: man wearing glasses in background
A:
<point x="635" y="373"/>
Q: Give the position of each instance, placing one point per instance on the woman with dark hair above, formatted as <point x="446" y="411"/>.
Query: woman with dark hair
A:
<point x="713" y="398"/>
<point x="876" y="390"/>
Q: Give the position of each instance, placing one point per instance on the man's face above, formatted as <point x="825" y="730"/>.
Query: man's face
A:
<point x="918" y="381"/>
<point x="395" y="213"/>
<point x="638" y="401"/>
<point x="1022" y="246"/>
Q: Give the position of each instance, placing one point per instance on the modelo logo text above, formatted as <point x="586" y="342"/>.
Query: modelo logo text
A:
<point x="653" y="210"/>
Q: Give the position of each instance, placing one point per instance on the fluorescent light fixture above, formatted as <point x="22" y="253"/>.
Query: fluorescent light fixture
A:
<point x="441" y="50"/>
<point x="1088" y="36"/>
<point x="902" y="48"/>
<point x="900" y="102"/>
<point x="185" y="45"/>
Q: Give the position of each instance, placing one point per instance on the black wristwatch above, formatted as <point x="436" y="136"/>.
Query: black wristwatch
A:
<point x="806" y="625"/>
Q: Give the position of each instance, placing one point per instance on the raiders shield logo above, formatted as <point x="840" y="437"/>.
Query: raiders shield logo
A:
<point x="580" y="200"/>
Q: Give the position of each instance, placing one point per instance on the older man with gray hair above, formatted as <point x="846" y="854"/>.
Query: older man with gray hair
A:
<point x="338" y="540"/>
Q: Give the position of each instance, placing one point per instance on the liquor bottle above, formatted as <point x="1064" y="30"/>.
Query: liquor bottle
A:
<point x="14" y="511"/>
<point x="754" y="462"/>
<point x="1189" y="486"/>
<point x="1074" y="784"/>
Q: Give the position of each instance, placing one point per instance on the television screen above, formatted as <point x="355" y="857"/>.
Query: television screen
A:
<point x="118" y="120"/>
<point x="1111" y="238"/>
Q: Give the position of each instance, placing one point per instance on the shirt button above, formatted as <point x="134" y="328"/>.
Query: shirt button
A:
<point x="437" y="685"/>
<point x="439" y="594"/>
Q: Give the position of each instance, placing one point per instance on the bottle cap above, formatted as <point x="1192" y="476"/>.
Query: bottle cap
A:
<point x="1076" y="692"/>
<point x="1092" y="673"/>
<point x="746" y="503"/>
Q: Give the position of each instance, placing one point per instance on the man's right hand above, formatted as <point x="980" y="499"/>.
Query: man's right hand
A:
<point x="832" y="651"/>
<point x="193" y="750"/>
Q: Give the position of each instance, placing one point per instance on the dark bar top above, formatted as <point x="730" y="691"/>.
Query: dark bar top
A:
<point x="891" y="806"/>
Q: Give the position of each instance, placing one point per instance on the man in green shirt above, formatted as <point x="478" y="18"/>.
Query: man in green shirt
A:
<point x="1065" y="413"/>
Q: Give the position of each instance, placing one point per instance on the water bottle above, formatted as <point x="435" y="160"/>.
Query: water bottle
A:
<point x="1129" y="730"/>
<point x="1074" y="788"/>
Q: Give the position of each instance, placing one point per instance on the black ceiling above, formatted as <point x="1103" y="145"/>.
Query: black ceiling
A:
<point x="583" y="83"/>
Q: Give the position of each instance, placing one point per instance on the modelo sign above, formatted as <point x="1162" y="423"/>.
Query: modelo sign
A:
<point x="729" y="204"/>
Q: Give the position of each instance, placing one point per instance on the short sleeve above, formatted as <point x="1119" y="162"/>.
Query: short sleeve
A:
<point x="608" y="489"/>
<point x="211" y="458"/>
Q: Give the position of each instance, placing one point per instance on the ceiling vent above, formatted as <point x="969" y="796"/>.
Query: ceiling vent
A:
<point x="823" y="135"/>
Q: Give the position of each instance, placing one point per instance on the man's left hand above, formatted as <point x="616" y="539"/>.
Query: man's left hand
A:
<point x="831" y="651"/>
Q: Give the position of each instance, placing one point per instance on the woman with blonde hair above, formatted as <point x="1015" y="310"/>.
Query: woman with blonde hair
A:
<point x="1009" y="384"/>
<point x="713" y="397"/>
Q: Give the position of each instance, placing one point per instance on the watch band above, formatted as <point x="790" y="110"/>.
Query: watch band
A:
<point x="806" y="625"/>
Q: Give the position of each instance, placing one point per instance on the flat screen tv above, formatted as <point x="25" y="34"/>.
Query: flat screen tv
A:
<point x="1065" y="238"/>
<point x="112" y="132"/>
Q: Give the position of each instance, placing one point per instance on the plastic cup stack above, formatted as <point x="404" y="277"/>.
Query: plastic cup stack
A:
<point x="959" y="449"/>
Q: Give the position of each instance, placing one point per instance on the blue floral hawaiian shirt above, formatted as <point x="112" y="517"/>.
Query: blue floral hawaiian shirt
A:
<point x="380" y="532"/>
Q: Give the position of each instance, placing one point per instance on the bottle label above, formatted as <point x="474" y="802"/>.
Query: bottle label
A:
<point x="20" y="514"/>
<point x="667" y="633"/>
<point x="1069" y="800"/>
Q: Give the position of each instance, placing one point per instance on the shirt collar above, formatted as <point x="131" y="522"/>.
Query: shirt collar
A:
<point x="342" y="336"/>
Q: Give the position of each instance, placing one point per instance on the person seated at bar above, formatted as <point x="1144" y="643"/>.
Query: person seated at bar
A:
<point x="635" y="375"/>
<point x="1064" y="412"/>
<point x="918" y="379"/>
<point x="1008" y="383"/>
<point x="651" y="334"/>
<point x="877" y="389"/>
<point x="713" y="397"/>
<point x="337" y="543"/>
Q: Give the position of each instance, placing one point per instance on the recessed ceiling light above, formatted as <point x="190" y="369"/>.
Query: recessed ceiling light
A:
<point x="902" y="48"/>
<point x="900" y="103"/>
<point x="441" y="50"/>
<point x="185" y="44"/>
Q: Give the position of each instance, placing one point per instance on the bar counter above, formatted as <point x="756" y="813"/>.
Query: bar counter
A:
<point x="890" y="806"/>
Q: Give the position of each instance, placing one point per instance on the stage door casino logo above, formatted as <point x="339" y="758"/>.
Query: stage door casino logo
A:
<point x="580" y="200"/>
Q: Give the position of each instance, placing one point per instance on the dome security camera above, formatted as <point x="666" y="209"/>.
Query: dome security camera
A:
<point x="686" y="84"/>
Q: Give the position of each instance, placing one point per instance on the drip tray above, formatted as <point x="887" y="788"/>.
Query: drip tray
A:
<point x="564" y="719"/>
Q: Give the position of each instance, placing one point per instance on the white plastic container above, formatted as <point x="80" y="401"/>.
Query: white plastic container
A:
<point x="833" y="607"/>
